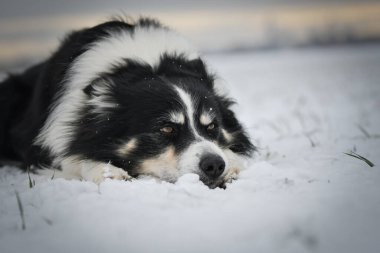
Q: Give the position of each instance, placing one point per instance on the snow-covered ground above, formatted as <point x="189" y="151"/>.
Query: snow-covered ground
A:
<point x="301" y="193"/>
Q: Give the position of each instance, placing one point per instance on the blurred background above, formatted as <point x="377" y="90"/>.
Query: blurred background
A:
<point x="31" y="29"/>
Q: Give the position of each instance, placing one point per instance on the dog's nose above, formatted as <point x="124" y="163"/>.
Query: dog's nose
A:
<point x="212" y="165"/>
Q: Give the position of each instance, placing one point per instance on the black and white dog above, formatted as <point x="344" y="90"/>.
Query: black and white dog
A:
<point x="121" y="100"/>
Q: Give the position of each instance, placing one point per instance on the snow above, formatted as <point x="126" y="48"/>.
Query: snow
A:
<point x="303" y="108"/>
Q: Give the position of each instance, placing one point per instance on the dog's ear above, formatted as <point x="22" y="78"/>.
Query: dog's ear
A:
<point x="100" y="96"/>
<point x="99" y="86"/>
<point x="179" y="66"/>
<point x="197" y="67"/>
<point x="240" y="142"/>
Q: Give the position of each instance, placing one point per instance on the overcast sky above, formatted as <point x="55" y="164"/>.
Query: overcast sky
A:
<point x="32" y="29"/>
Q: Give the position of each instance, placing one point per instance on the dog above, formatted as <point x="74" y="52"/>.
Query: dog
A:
<point x="122" y="100"/>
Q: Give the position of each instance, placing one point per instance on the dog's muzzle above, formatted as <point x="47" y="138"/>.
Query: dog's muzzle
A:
<point x="212" y="167"/>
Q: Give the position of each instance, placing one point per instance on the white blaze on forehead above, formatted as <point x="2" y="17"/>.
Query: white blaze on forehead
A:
<point x="189" y="107"/>
<point x="177" y="117"/>
<point x="145" y="44"/>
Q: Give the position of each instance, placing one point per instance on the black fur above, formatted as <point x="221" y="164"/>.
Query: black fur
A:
<point x="142" y="93"/>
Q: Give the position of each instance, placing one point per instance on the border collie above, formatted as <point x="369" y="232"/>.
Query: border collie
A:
<point x="121" y="100"/>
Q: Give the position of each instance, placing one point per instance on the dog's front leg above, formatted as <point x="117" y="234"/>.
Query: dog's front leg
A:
<point x="97" y="172"/>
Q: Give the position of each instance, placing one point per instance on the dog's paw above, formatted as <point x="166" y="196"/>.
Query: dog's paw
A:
<point x="112" y="172"/>
<point x="231" y="175"/>
<point x="99" y="172"/>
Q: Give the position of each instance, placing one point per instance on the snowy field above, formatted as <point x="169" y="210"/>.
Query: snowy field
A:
<point x="300" y="193"/>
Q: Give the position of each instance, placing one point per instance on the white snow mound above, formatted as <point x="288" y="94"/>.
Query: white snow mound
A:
<point x="300" y="193"/>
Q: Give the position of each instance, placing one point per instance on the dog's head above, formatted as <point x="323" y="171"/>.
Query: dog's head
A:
<point x="164" y="121"/>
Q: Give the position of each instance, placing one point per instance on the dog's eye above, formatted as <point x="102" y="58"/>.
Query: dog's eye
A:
<point x="211" y="127"/>
<point x="167" y="130"/>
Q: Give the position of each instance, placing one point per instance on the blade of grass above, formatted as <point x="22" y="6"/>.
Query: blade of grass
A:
<point x="365" y="160"/>
<point x="20" y="208"/>
<point x="357" y="156"/>
<point x="32" y="183"/>
<point x="365" y="132"/>
<point x="52" y="177"/>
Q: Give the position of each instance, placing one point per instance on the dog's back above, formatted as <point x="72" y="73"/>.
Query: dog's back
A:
<point x="26" y="98"/>
<point x="15" y="96"/>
